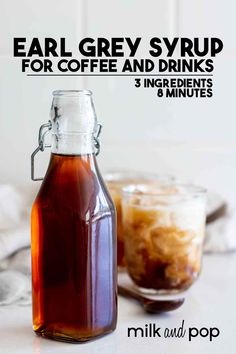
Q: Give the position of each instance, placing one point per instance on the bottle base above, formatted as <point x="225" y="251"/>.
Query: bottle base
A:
<point x="71" y="338"/>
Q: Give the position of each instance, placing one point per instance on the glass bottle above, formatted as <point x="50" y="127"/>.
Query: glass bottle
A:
<point x="73" y="230"/>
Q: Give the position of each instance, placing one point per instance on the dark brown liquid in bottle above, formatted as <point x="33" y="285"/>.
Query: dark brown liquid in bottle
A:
<point x="73" y="252"/>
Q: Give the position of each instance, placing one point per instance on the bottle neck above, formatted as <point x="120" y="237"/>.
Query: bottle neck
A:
<point x="73" y="144"/>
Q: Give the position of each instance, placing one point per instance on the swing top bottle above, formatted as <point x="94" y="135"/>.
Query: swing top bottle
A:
<point x="73" y="230"/>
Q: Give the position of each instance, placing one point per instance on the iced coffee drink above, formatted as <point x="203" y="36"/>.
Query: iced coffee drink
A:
<point x="163" y="230"/>
<point x="115" y="182"/>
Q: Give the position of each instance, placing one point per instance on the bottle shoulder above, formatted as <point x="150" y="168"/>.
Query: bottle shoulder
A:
<point x="75" y="185"/>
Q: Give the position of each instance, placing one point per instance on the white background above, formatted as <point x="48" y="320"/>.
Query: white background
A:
<point x="191" y="138"/>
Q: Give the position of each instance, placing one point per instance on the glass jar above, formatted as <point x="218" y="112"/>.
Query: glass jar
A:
<point x="73" y="229"/>
<point x="115" y="181"/>
<point x="163" y="232"/>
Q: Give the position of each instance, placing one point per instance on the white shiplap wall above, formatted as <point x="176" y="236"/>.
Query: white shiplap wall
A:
<point x="194" y="139"/>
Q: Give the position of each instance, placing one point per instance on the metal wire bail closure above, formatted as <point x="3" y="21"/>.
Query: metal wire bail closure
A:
<point x="96" y="139"/>
<point x="43" y="131"/>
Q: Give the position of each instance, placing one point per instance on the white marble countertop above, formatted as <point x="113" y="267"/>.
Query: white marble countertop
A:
<point x="210" y="303"/>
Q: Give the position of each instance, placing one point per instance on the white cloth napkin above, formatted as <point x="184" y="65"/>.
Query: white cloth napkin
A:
<point x="12" y="207"/>
<point x="14" y="238"/>
<point x="14" y="221"/>
<point x="221" y="234"/>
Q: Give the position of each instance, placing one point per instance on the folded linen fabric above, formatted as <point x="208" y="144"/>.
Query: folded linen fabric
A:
<point x="221" y="225"/>
<point x="14" y="287"/>
<point x="221" y="233"/>
<point x="14" y="220"/>
<point x="14" y="237"/>
<point x="12" y="207"/>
